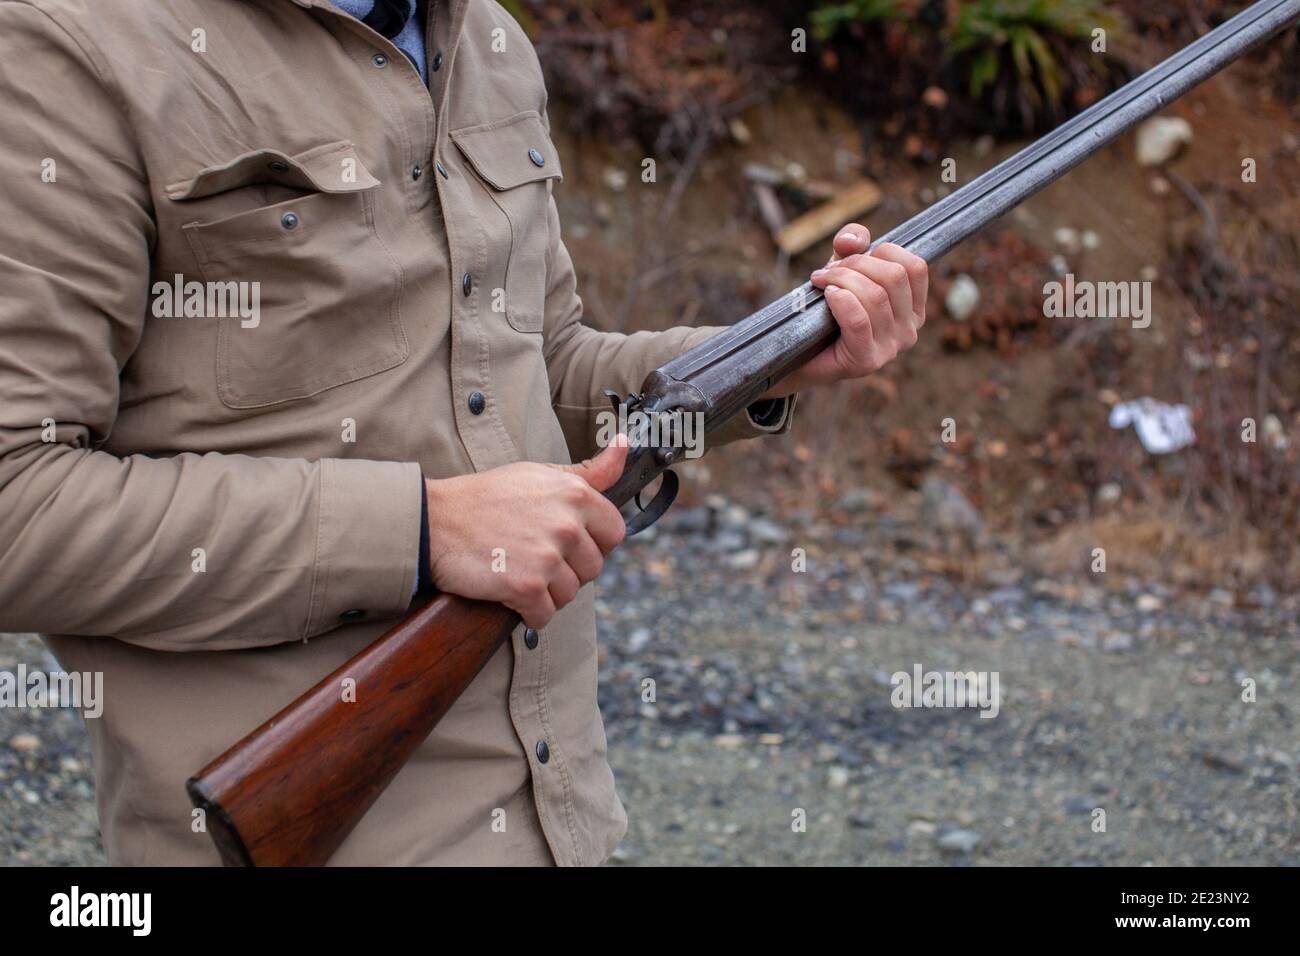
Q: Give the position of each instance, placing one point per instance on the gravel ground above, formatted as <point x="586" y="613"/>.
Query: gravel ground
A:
<point x="772" y="738"/>
<point x="773" y="696"/>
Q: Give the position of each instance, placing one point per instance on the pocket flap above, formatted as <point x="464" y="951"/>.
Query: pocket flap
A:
<point x="510" y="152"/>
<point x="331" y="168"/>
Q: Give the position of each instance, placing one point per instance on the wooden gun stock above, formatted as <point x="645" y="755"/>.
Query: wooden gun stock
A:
<point x="292" y="790"/>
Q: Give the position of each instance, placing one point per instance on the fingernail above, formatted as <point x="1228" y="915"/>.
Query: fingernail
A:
<point x="818" y="273"/>
<point x="831" y="287"/>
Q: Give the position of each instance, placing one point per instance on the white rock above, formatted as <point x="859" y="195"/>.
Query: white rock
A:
<point x="1149" y="603"/>
<point x="1160" y="138"/>
<point x="963" y="297"/>
<point x="959" y="841"/>
<point x="1067" y="239"/>
<point x="25" y="743"/>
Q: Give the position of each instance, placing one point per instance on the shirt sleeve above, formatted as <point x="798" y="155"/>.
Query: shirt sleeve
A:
<point x="187" y="552"/>
<point x="582" y="362"/>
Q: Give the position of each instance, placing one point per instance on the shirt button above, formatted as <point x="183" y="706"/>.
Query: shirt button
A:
<point x="477" y="402"/>
<point x="355" y="614"/>
<point x="442" y="169"/>
<point x="537" y="158"/>
<point x="289" y="220"/>
<point x="379" y="60"/>
<point x="543" y="752"/>
<point x="467" y="284"/>
<point x="416" y="172"/>
<point x="530" y="638"/>
<point x="437" y="61"/>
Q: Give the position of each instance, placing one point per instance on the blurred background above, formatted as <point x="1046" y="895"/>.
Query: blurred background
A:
<point x="1122" y="685"/>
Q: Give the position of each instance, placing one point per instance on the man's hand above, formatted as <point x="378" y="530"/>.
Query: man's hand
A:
<point x="878" y="299"/>
<point x="551" y="523"/>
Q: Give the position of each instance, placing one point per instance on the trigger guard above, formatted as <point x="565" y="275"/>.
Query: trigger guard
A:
<point x="652" y="512"/>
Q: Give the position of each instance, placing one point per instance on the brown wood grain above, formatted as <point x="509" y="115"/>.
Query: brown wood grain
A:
<point x="293" y="789"/>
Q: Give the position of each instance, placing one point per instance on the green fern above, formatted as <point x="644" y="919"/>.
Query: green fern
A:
<point x="827" y="20"/>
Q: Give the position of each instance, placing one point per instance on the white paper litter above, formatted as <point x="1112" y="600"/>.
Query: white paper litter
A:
<point x="1161" y="428"/>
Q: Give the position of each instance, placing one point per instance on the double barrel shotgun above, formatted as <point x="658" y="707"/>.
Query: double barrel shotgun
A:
<point x="292" y="790"/>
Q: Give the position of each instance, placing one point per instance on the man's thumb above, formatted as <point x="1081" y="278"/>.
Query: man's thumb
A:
<point x="603" y="470"/>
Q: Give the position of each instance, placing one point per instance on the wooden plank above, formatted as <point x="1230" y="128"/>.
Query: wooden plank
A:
<point x="820" y="222"/>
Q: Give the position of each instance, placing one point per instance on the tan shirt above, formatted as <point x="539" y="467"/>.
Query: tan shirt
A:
<point x="215" y="512"/>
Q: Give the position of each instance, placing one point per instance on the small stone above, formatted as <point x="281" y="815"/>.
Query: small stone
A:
<point x="1222" y="597"/>
<point x="857" y="500"/>
<point x="25" y="743"/>
<point x="963" y="296"/>
<point x="1149" y="603"/>
<point x="1160" y="138"/>
<point x="1117" y="643"/>
<point x="935" y="98"/>
<point x="1067" y="239"/>
<point x="615" y="179"/>
<point x="944" y="508"/>
<point x="922" y="828"/>
<point x="767" y="532"/>
<point x="837" y="778"/>
<point x="1109" y="493"/>
<point x="744" y="560"/>
<point x="959" y="841"/>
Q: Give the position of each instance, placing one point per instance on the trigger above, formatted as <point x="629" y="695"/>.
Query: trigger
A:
<point x="652" y="512"/>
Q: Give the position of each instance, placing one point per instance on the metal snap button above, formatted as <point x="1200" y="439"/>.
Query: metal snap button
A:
<point x="290" y="220"/>
<point x="537" y="158"/>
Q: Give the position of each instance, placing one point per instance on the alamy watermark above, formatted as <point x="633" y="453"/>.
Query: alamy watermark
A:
<point x="1071" y="299"/>
<point x="179" y="299"/>
<point x="675" y="429"/>
<point x="21" y="689"/>
<point x="922" y="688"/>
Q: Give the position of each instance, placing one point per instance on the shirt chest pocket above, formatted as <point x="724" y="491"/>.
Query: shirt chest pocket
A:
<point x="514" y="163"/>
<point x="296" y="235"/>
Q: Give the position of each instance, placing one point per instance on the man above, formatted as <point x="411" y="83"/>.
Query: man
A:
<point x="288" y="319"/>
